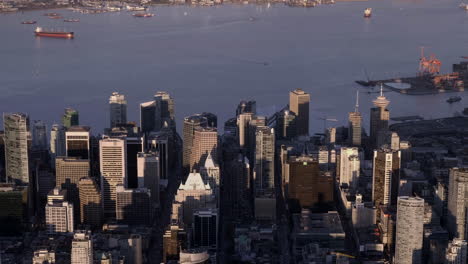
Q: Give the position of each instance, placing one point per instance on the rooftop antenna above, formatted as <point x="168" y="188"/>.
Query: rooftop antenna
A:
<point x="381" y="89"/>
<point x="357" y="101"/>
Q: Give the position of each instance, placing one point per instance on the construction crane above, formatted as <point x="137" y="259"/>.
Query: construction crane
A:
<point x="429" y="65"/>
<point x="325" y="119"/>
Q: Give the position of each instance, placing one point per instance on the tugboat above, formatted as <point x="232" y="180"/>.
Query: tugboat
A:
<point x="39" y="32"/>
<point x="454" y="99"/>
<point x="28" y="22"/>
<point x="368" y="12"/>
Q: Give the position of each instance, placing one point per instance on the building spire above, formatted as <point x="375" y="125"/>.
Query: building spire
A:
<point x="381" y="89"/>
<point x="356" y="108"/>
<point x="381" y="101"/>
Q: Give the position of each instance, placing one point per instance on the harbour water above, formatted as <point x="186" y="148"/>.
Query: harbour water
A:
<point x="210" y="58"/>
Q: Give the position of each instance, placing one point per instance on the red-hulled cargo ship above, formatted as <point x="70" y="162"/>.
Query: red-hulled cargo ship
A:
<point x="39" y="32"/>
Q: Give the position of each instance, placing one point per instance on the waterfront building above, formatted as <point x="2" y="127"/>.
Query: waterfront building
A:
<point x="17" y="140"/>
<point x="82" y="248"/>
<point x="39" y="135"/>
<point x="355" y="125"/>
<point x="113" y="161"/>
<point x="117" y="109"/>
<point x="286" y="125"/>
<point x="90" y="203"/>
<point x="456" y="252"/>
<point x="205" y="143"/>
<point x="409" y="230"/>
<point x="133" y="206"/>
<point x="458" y="203"/>
<point x="349" y="167"/>
<point x="78" y="141"/>
<point x="70" y="118"/>
<point x="57" y="143"/>
<point x="205" y="229"/>
<point x="68" y="172"/>
<point x="386" y="177"/>
<point x="264" y="163"/>
<point x="148" y="174"/>
<point x="190" y="124"/>
<point x="379" y="117"/>
<point x="59" y="213"/>
<point x="299" y="104"/>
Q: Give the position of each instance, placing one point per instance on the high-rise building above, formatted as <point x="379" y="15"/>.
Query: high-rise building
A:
<point x="147" y="116"/>
<point x="250" y="141"/>
<point x="264" y="168"/>
<point x="148" y="174"/>
<point x="68" y="172"/>
<point x="82" y="248"/>
<point x="13" y="207"/>
<point x="458" y="203"/>
<point x="161" y="144"/>
<point x="212" y="119"/>
<point x="133" y="206"/>
<point x="286" y="125"/>
<point x="205" y="229"/>
<point x="16" y="140"/>
<point x="113" y="160"/>
<point x="192" y="195"/>
<point x="379" y="117"/>
<point x="246" y="107"/>
<point x="355" y="125"/>
<point x="299" y="104"/>
<point x="165" y="112"/>
<point x="236" y="179"/>
<point x="59" y="213"/>
<point x="78" y="142"/>
<point x="118" y="109"/>
<point x="349" y="167"/>
<point x="386" y="177"/>
<point x="409" y="230"/>
<point x="210" y="172"/>
<point x="70" y="118"/>
<point x="243" y="120"/>
<point x="39" y="135"/>
<point x="90" y="203"/>
<point x="190" y="123"/>
<point x="57" y="142"/>
<point x="456" y="252"/>
<point x="134" y="146"/>
<point x="205" y="143"/>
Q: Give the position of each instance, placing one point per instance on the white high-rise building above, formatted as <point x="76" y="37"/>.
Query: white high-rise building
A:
<point x="16" y="139"/>
<point x="349" y="167"/>
<point x="113" y="160"/>
<point x="148" y="174"/>
<point x="118" y="109"/>
<point x="57" y="142"/>
<point x="59" y="213"/>
<point x="456" y="252"/>
<point x="409" y="230"/>
<point x="82" y="248"/>
<point x="39" y="134"/>
<point x="457" y="204"/>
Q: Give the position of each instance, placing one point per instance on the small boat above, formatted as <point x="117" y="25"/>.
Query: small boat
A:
<point x="368" y="12"/>
<point x="28" y="22"/>
<point x="55" y="17"/>
<point x="454" y="99"/>
<point x="143" y="15"/>
<point x="51" y="14"/>
<point x="71" y="20"/>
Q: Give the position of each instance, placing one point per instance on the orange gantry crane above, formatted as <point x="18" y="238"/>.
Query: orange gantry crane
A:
<point x="429" y="65"/>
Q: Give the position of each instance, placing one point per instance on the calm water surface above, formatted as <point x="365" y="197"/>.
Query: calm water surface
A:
<point x="212" y="57"/>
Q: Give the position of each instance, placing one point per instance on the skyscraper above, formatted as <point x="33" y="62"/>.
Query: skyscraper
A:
<point x="243" y="120"/>
<point x="57" y="142"/>
<point x="68" y="172"/>
<point x="118" y="109"/>
<point x="458" y="203"/>
<point x="16" y="139"/>
<point x="264" y="168"/>
<point x="39" y="135"/>
<point x="165" y="112"/>
<point x="456" y="252"/>
<point x="78" y="142"/>
<point x="70" y="118"/>
<point x="205" y="228"/>
<point x="386" y="176"/>
<point x="212" y="119"/>
<point x="113" y="160"/>
<point x="355" y="125"/>
<point x="349" y="167"/>
<point x="147" y="116"/>
<point x="133" y="206"/>
<point x="286" y="125"/>
<point x="90" y="203"/>
<point x="59" y="213"/>
<point x="246" y="107"/>
<point x="205" y="143"/>
<point x="190" y="123"/>
<point x="148" y="174"/>
<point x="134" y="146"/>
<point x="379" y="117"/>
<point x="82" y="248"/>
<point x="299" y="104"/>
<point x="160" y="143"/>
<point x="409" y="230"/>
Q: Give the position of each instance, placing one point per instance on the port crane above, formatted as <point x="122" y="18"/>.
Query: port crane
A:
<point x="429" y="65"/>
